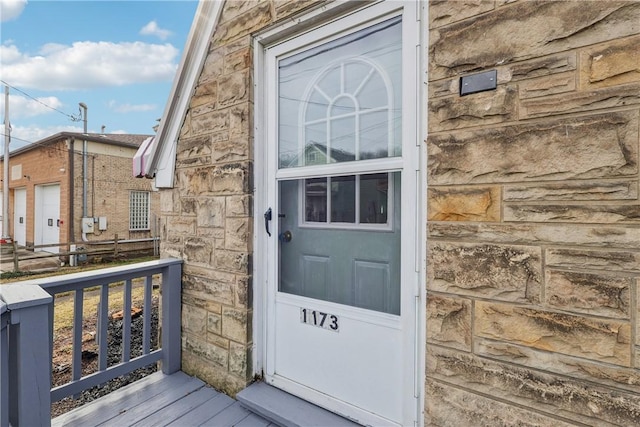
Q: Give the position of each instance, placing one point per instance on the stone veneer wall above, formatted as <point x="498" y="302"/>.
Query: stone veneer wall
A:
<point x="207" y="216"/>
<point x="533" y="312"/>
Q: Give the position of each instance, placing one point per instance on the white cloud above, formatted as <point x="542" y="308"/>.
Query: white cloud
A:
<point x="152" y="29"/>
<point x="23" y="135"/>
<point x="87" y="65"/>
<point x="11" y="9"/>
<point x="21" y="107"/>
<point x="129" y="108"/>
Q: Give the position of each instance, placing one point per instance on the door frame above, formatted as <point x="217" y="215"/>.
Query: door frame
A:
<point x="311" y="20"/>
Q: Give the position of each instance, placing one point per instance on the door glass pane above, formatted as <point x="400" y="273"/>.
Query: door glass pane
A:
<point x="352" y="265"/>
<point x="334" y="86"/>
<point x="343" y="199"/>
<point x="373" y="198"/>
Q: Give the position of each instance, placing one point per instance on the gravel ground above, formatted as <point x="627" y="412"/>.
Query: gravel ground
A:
<point x="61" y="373"/>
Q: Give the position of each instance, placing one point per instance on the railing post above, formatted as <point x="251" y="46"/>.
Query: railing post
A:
<point x="171" y="318"/>
<point x="16" y="261"/>
<point x="29" y="354"/>
<point x="4" y="366"/>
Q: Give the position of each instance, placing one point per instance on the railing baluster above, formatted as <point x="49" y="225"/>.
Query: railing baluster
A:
<point x="76" y="367"/>
<point x="146" y="329"/>
<point x="103" y="321"/>
<point x="126" y="322"/>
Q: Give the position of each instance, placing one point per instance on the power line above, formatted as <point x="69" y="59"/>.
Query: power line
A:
<point x="70" y="116"/>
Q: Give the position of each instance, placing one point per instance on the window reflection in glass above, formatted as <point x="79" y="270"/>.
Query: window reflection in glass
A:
<point x="350" y="88"/>
<point x="315" y="200"/>
<point x="374" y="191"/>
<point x="343" y="199"/>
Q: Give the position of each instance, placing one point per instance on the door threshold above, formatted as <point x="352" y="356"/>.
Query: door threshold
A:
<point x="286" y="409"/>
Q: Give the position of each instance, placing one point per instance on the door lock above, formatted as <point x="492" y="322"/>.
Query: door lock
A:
<point x="285" y="237"/>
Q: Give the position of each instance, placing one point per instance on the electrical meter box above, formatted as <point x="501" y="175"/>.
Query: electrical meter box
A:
<point x="87" y="225"/>
<point x="102" y="223"/>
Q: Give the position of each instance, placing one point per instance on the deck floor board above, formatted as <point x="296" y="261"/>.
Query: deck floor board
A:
<point x="177" y="399"/>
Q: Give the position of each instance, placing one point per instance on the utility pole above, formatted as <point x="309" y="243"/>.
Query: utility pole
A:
<point x="5" y="181"/>
<point x="84" y="161"/>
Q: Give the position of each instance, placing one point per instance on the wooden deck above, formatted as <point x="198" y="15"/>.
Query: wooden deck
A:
<point x="163" y="400"/>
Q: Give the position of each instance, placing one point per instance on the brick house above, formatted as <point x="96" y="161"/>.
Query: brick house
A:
<point x="476" y="260"/>
<point x="46" y="197"/>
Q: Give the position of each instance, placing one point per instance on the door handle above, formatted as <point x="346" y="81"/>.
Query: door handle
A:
<point x="267" y="218"/>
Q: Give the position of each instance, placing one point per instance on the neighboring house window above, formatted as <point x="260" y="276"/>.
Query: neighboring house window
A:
<point x="139" y="210"/>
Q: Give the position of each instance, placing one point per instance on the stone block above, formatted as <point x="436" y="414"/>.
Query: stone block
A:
<point x="232" y="261"/>
<point x="231" y="150"/>
<point x="286" y="8"/>
<point x="587" y="337"/>
<point x="238" y="60"/>
<point x="197" y="299"/>
<point x="604" y="145"/>
<point x="187" y="206"/>
<point x="194" y="320"/>
<point x="231" y="178"/>
<point x="181" y="225"/>
<point x="214" y="323"/>
<point x="578" y="102"/>
<point x="544" y="66"/>
<point x="241" y="122"/>
<point x="214" y="375"/>
<point x="219" y="291"/>
<point x="239" y="206"/>
<point x="572" y="191"/>
<point x="541" y="391"/>
<point x="448" y="406"/>
<point x="215" y="121"/>
<point x="548" y="85"/>
<point x="244" y="292"/>
<point x="603" y="236"/>
<point x="169" y="201"/>
<point x="233" y="88"/>
<point x="463" y="204"/>
<point x="206" y="93"/>
<point x="240" y="360"/>
<point x="610" y="64"/>
<point x="193" y="181"/>
<point x="236" y="324"/>
<point x="443" y="12"/>
<point x="211" y="212"/>
<point x="210" y="352"/>
<point x="194" y="147"/>
<point x="533" y="29"/>
<point x="207" y="272"/>
<point x="585" y="259"/>
<point x="596" y="214"/>
<point x="484" y="108"/>
<point x="198" y="250"/>
<point x="218" y="341"/>
<point x="239" y="234"/>
<point x="507" y="273"/>
<point x="567" y="366"/>
<point x="449" y="321"/>
<point x="589" y="293"/>
<point x="213" y="65"/>
<point x="242" y="18"/>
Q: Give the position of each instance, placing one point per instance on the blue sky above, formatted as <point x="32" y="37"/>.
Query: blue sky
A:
<point x="118" y="57"/>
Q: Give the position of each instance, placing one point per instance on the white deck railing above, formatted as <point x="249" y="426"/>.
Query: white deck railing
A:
<point x="26" y="337"/>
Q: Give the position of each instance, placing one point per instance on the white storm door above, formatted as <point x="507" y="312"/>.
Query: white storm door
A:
<point x="341" y="171"/>
<point x="20" y="216"/>
<point x="47" y="216"/>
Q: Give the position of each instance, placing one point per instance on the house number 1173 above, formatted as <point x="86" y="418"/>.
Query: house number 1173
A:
<point x="319" y="319"/>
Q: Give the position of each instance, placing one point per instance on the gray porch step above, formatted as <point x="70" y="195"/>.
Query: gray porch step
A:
<point x="287" y="410"/>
